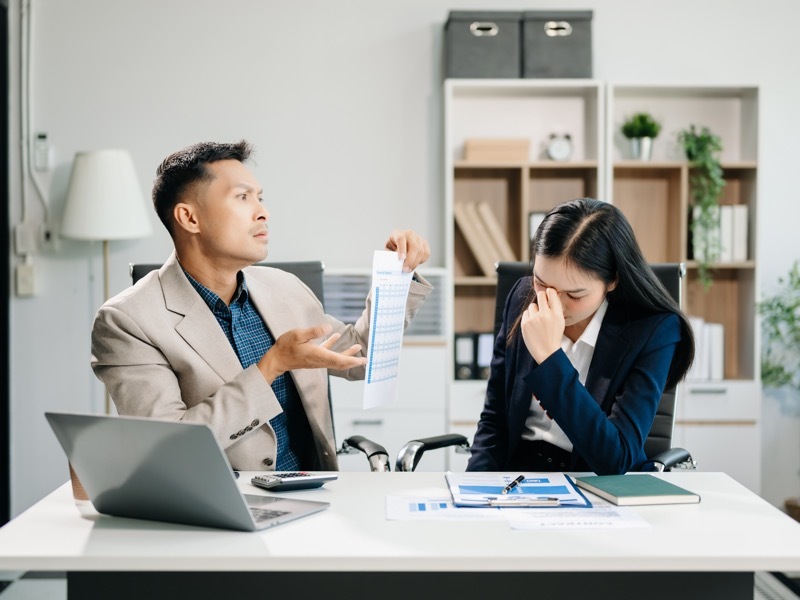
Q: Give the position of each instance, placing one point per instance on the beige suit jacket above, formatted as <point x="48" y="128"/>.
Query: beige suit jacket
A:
<point x="161" y="353"/>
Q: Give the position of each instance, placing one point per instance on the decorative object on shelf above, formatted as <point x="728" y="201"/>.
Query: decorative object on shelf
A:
<point x="641" y="129"/>
<point x="780" y="323"/>
<point x="559" y="146"/>
<point x="511" y="149"/>
<point x="702" y="150"/>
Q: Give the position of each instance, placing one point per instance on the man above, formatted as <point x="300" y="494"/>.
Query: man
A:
<point x="209" y="338"/>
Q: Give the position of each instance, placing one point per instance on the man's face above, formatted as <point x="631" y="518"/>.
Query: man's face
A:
<point x="231" y="220"/>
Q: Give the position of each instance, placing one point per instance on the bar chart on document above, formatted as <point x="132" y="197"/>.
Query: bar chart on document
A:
<point x="387" y="319"/>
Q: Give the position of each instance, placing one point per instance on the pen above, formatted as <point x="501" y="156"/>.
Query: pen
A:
<point x="513" y="484"/>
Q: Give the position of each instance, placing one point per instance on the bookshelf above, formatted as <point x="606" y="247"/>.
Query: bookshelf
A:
<point x="654" y="195"/>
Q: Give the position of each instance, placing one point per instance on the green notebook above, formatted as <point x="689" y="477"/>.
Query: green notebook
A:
<point x="629" y="490"/>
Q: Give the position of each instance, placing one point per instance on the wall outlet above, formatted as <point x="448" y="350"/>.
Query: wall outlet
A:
<point x="25" y="280"/>
<point x="42" y="153"/>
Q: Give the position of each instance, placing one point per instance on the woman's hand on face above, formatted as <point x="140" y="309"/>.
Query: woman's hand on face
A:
<point x="543" y="325"/>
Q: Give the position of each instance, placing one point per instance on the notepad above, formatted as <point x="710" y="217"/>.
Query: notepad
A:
<point x="630" y="490"/>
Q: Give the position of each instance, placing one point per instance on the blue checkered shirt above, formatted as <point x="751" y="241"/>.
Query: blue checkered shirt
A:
<point x="250" y="339"/>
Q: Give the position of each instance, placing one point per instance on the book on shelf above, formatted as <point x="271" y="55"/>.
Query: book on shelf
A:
<point x="475" y="237"/>
<point x="465" y="355"/>
<point x="740" y="228"/>
<point x="636" y="489"/>
<point x="709" y="351"/>
<point x="706" y="245"/>
<point x="730" y="233"/>
<point x="725" y="234"/>
<point x="495" y="232"/>
<point x="715" y="338"/>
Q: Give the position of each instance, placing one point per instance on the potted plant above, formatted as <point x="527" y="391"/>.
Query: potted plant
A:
<point x="780" y="350"/>
<point x="641" y="129"/>
<point x="702" y="150"/>
<point x="780" y="324"/>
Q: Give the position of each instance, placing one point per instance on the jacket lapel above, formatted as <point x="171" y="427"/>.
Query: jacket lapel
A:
<point x="612" y="347"/>
<point x="198" y="326"/>
<point x="277" y="309"/>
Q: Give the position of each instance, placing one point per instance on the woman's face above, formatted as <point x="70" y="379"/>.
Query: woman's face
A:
<point x="581" y="293"/>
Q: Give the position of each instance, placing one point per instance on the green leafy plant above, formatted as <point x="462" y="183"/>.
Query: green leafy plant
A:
<point x="702" y="150"/>
<point x="641" y="125"/>
<point x="780" y="325"/>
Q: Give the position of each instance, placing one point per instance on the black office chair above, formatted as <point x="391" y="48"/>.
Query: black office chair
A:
<point x="310" y="273"/>
<point x="657" y="446"/>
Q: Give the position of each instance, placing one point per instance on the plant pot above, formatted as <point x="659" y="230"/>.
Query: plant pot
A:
<point x="641" y="148"/>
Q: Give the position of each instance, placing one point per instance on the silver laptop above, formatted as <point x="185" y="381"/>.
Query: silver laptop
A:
<point x="165" y="471"/>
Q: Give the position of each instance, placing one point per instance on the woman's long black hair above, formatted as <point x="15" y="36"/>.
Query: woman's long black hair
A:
<point x="596" y="238"/>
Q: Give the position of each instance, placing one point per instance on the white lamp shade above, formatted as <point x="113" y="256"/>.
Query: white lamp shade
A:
<point x="104" y="200"/>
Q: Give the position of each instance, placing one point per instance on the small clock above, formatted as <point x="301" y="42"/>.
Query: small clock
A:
<point x="559" y="146"/>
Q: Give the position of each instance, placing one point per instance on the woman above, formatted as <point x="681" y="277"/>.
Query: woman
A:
<point x="587" y="346"/>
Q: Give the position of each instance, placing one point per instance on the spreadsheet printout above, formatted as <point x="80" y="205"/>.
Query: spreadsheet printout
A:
<point x="390" y="287"/>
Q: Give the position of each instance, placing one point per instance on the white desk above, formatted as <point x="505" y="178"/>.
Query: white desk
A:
<point x="711" y="548"/>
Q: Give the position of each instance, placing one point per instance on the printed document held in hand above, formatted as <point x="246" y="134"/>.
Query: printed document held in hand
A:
<point x="389" y="294"/>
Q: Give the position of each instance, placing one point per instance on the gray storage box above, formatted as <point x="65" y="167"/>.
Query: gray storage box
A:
<point x="557" y="43"/>
<point x="483" y="44"/>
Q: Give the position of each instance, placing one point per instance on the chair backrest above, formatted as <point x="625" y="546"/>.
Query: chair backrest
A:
<point x="671" y="276"/>
<point x="309" y="272"/>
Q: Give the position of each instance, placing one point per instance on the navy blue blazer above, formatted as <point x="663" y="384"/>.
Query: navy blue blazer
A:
<point x="607" y="420"/>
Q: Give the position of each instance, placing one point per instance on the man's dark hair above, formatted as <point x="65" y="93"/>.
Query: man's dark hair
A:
<point x="186" y="168"/>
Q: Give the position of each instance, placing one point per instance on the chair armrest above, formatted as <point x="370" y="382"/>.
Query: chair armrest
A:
<point x="412" y="451"/>
<point x="674" y="458"/>
<point x="377" y="455"/>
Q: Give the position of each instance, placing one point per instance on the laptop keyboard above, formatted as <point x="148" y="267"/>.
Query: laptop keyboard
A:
<point x="262" y="514"/>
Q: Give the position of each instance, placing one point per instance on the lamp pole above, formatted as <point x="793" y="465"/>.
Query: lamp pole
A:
<point x="106" y="396"/>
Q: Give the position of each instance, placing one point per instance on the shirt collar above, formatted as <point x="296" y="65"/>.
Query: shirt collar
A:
<point x="211" y="299"/>
<point x="589" y="335"/>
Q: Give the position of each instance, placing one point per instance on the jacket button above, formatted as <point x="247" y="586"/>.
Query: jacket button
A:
<point x="248" y="428"/>
<point x="254" y="423"/>
<point x="267" y="461"/>
<point x="234" y="436"/>
<point x="241" y="432"/>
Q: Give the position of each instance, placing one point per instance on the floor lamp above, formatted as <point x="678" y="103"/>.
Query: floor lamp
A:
<point x="104" y="203"/>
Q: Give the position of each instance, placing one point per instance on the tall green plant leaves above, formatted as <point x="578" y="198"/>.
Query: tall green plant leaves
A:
<point x="706" y="183"/>
<point x="780" y="325"/>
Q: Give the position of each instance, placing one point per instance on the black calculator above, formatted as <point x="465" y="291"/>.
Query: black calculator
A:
<point x="293" y="480"/>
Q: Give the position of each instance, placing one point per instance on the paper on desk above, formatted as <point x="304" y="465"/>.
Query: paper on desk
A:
<point x="389" y="294"/>
<point x="435" y="508"/>
<point x="602" y="515"/>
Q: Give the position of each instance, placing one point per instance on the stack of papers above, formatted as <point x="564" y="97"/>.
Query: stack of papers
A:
<point x="533" y="490"/>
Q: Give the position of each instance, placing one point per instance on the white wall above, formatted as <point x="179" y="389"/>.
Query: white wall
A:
<point x="343" y="101"/>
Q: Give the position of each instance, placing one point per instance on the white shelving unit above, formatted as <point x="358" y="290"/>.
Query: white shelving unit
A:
<point x="719" y="422"/>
